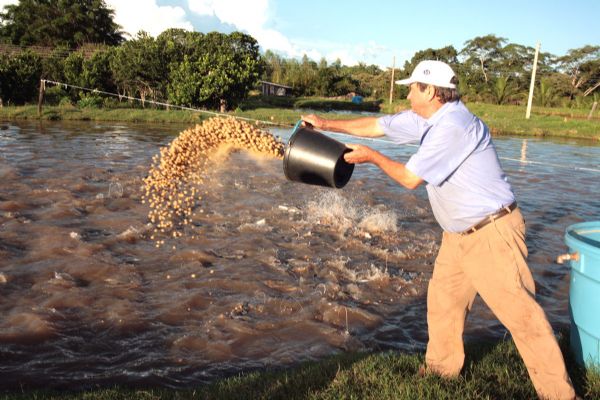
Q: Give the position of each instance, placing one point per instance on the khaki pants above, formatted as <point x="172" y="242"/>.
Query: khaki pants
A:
<point x="491" y="262"/>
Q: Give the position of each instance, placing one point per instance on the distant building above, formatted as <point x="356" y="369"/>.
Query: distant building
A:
<point x="275" y="89"/>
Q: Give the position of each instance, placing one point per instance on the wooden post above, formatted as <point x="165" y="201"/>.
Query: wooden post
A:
<point x="530" y="99"/>
<point x="392" y="82"/>
<point x="592" y="110"/>
<point x="41" y="96"/>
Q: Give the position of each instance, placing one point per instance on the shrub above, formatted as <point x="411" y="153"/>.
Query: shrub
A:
<point x="110" y="102"/>
<point x="65" y="102"/>
<point x="20" y="77"/>
<point x="90" y="101"/>
<point x="54" y="95"/>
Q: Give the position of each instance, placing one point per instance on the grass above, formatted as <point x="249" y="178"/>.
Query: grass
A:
<point x="502" y="120"/>
<point x="330" y="105"/>
<point x="314" y="103"/>
<point x="543" y="122"/>
<point x="72" y="113"/>
<point x="492" y="371"/>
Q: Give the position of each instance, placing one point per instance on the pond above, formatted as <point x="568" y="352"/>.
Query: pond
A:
<point x="281" y="272"/>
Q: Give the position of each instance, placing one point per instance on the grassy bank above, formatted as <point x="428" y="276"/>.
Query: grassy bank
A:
<point x="313" y="103"/>
<point x="543" y="122"/>
<point x="502" y="120"/>
<point x="492" y="371"/>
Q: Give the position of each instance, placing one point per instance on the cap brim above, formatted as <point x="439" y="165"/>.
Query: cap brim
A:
<point x="406" y="81"/>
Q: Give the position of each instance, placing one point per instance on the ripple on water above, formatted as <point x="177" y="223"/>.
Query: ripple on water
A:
<point x="25" y="328"/>
<point x="270" y="273"/>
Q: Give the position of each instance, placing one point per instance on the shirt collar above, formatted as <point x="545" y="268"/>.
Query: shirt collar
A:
<point x="441" y="112"/>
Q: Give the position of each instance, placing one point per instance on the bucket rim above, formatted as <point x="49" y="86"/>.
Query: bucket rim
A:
<point x="293" y="136"/>
<point x="288" y="146"/>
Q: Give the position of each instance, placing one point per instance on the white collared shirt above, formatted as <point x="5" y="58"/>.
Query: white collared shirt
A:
<point x="457" y="159"/>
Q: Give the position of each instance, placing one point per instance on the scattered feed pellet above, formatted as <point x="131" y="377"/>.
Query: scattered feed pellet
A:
<point x="171" y="188"/>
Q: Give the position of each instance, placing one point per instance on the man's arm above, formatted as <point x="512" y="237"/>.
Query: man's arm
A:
<point x="362" y="127"/>
<point x="395" y="170"/>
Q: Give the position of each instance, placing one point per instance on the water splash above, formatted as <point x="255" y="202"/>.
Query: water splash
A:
<point x="343" y="213"/>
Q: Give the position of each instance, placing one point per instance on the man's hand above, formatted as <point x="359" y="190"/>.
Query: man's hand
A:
<point x="312" y="119"/>
<point x="360" y="154"/>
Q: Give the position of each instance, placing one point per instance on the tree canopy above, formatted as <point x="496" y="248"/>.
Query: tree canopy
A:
<point x="220" y="72"/>
<point x="582" y="65"/>
<point x="59" y="23"/>
<point x="212" y="70"/>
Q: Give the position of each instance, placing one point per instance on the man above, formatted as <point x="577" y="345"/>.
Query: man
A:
<point x="483" y="245"/>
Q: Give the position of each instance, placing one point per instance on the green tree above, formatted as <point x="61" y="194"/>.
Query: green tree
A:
<point x="176" y="43"/>
<point x="582" y="65"/>
<point x="515" y="64"/>
<point x="345" y="84"/>
<point x="293" y="76"/>
<point x="59" y="22"/>
<point x="53" y="65"/>
<point x="325" y="79"/>
<point x="372" y="81"/>
<point x="333" y="80"/>
<point x="446" y="54"/>
<point x="503" y="90"/>
<point x="92" y="72"/>
<point x="308" y="75"/>
<point x="19" y="77"/>
<point x="274" y="67"/>
<point x="481" y="54"/>
<point x="560" y="84"/>
<point x="73" y="69"/>
<point x="140" y="69"/>
<point x="220" y="74"/>
<point x="545" y="96"/>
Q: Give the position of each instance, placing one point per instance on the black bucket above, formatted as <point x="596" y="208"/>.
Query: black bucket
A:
<point x="313" y="158"/>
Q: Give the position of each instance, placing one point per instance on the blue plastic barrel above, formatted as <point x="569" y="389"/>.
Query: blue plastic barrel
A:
<point x="583" y="241"/>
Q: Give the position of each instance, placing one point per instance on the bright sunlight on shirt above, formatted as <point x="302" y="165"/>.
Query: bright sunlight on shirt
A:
<point x="457" y="159"/>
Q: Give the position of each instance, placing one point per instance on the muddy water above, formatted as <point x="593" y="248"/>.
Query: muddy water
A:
<point x="279" y="273"/>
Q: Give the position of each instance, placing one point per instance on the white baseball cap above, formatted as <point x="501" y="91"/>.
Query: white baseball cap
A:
<point x="436" y="73"/>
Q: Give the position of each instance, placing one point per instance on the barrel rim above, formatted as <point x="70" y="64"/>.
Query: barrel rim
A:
<point x="572" y="232"/>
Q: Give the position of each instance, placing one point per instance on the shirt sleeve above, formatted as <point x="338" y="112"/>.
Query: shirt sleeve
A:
<point x="443" y="150"/>
<point x="403" y="127"/>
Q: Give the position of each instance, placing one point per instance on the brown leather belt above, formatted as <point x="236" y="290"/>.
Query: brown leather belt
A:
<point x="491" y="218"/>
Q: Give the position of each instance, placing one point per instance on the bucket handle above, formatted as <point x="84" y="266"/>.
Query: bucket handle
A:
<point x="566" y="257"/>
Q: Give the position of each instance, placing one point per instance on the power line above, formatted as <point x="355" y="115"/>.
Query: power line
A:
<point x="120" y="96"/>
<point x="521" y="161"/>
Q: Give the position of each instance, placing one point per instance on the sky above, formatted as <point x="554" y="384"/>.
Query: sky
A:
<point x="372" y="32"/>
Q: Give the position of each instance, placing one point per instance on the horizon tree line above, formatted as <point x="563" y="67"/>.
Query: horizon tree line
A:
<point x="84" y="47"/>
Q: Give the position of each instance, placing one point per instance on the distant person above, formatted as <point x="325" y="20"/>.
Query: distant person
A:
<point x="483" y="245"/>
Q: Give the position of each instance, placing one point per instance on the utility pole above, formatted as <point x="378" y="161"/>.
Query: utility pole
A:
<point x="392" y="82"/>
<point x="41" y="96"/>
<point x="530" y="99"/>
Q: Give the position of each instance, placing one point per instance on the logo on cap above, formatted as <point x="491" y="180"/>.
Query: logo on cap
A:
<point x="426" y="72"/>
